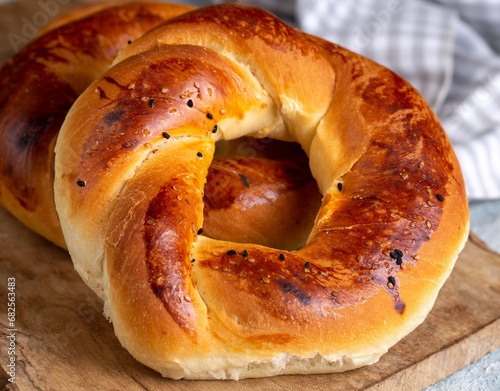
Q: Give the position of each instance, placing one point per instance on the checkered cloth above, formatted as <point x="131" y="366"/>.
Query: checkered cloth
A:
<point x="448" y="49"/>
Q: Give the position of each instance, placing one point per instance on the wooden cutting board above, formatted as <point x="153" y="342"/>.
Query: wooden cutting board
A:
<point x="64" y="342"/>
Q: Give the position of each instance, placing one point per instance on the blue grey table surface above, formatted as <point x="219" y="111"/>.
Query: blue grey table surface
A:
<point x="484" y="374"/>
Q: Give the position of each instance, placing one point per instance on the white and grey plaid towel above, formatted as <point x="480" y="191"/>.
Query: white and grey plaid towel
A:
<point x="448" y="49"/>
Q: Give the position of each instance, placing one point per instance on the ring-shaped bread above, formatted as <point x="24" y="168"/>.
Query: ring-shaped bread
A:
<point x="131" y="163"/>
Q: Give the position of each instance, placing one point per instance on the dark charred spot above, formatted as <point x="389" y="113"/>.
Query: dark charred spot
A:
<point x="102" y="93"/>
<point x="244" y="181"/>
<point x="288" y="287"/>
<point x="114" y="116"/>
<point x="114" y="82"/>
<point x="399" y="306"/>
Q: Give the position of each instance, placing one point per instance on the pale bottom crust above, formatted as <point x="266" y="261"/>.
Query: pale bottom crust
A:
<point x="283" y="364"/>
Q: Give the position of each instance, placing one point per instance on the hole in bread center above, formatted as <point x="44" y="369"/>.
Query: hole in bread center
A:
<point x="260" y="191"/>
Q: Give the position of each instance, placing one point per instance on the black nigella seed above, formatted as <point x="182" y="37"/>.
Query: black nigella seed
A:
<point x="166" y="135"/>
<point x="81" y="183"/>
<point x="200" y="231"/>
<point x="282" y="257"/>
<point x="209" y="116"/>
<point x="399" y="252"/>
<point x="306" y="266"/>
<point x="339" y="186"/>
<point x="440" y="197"/>
<point x="394" y="255"/>
<point x="200" y="155"/>
<point x="391" y="282"/>
<point x="190" y="103"/>
<point x="129" y="42"/>
<point x="231" y="252"/>
<point x="193" y="260"/>
<point x="152" y="103"/>
<point x="244" y="253"/>
<point x="214" y="130"/>
<point x="399" y="261"/>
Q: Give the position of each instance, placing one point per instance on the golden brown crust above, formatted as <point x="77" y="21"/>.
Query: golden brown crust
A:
<point x="39" y="85"/>
<point x="392" y="222"/>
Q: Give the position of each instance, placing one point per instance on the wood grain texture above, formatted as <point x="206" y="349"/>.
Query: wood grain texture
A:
<point x="64" y="342"/>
